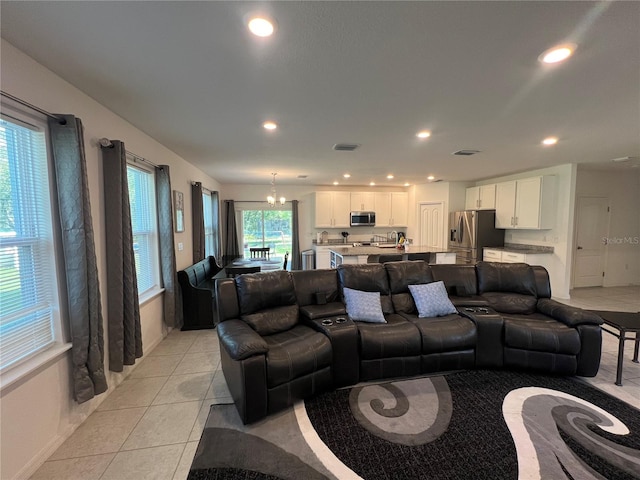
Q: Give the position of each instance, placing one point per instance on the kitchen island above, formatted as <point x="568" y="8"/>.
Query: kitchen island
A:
<point x="370" y="254"/>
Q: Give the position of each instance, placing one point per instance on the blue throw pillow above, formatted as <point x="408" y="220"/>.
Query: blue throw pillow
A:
<point x="431" y="300"/>
<point x="364" y="306"/>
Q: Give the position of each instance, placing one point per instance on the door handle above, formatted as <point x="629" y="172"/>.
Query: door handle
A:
<point x="579" y="247"/>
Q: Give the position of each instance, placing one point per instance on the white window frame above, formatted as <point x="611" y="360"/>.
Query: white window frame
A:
<point x="21" y="369"/>
<point x="156" y="287"/>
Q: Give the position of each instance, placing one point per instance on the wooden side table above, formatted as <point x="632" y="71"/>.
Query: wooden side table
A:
<point x="624" y="322"/>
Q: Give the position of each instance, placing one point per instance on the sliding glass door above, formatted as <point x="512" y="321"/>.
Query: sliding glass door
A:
<point x="265" y="228"/>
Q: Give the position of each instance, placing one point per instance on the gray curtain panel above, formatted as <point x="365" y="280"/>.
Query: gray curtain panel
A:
<point x="83" y="288"/>
<point x="125" y="335"/>
<point x="217" y="238"/>
<point x="197" y="220"/>
<point x="231" y="247"/>
<point x="295" y="237"/>
<point x="172" y="297"/>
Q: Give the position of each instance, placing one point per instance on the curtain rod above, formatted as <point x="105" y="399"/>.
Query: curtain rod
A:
<point x="193" y="182"/>
<point x="106" y="143"/>
<point x="33" y="107"/>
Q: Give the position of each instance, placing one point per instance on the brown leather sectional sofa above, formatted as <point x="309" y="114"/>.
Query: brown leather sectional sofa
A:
<point x="285" y="336"/>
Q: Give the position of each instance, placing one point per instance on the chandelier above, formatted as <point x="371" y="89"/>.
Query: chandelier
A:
<point x="271" y="199"/>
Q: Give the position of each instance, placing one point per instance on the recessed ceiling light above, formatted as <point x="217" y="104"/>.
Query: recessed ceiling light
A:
<point x="347" y="175"/>
<point x="372" y="184"/>
<point x="558" y="53"/>
<point x="431" y="177"/>
<point x="260" y="27"/>
<point x="406" y="184"/>
<point x="270" y="125"/>
<point x="336" y="183"/>
<point x="423" y="134"/>
<point x="550" y="141"/>
<point x="389" y="177"/>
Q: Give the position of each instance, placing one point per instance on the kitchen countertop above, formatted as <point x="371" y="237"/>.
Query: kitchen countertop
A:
<point x="522" y="248"/>
<point x="356" y="251"/>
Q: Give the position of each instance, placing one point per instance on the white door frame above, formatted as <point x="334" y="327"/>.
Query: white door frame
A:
<point x="445" y="223"/>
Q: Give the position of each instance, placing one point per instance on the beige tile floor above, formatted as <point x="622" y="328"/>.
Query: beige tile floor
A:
<point x="149" y="426"/>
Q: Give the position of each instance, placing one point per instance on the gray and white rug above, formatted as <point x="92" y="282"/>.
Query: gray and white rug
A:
<point x="474" y="424"/>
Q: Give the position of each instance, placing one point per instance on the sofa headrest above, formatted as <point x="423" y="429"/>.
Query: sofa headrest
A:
<point x="403" y="274"/>
<point x="257" y="291"/>
<point x="506" y="277"/>
<point x="459" y="280"/>
<point x="370" y="277"/>
<point x="315" y="287"/>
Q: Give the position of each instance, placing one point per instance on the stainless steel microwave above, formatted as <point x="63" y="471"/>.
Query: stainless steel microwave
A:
<point x="363" y="219"/>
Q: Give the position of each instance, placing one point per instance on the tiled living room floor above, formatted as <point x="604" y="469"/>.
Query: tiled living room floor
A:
<point x="149" y="426"/>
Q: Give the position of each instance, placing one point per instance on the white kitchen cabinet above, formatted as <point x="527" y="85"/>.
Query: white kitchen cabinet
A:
<point x="323" y="256"/>
<point x="362" y="202"/>
<point x="482" y="197"/>
<point x="448" y="258"/>
<point x="528" y="203"/>
<point x="392" y="209"/>
<point x="506" y="256"/>
<point x="332" y="209"/>
<point x="489" y="255"/>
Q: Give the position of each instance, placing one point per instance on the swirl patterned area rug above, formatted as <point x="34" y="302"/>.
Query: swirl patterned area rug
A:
<point x="468" y="425"/>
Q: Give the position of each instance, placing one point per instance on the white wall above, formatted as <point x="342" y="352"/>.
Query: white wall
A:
<point x="622" y="259"/>
<point x="560" y="237"/>
<point x="37" y="412"/>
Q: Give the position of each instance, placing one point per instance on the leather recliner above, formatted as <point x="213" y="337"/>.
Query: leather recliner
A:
<point x="269" y="358"/>
<point x="539" y="333"/>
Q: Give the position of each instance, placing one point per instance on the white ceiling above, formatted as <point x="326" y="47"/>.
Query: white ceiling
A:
<point x="373" y="73"/>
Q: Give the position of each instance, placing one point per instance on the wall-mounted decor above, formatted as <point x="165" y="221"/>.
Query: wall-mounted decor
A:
<point x="178" y="210"/>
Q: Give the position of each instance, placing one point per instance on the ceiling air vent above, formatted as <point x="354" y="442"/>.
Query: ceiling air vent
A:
<point x="466" y="152"/>
<point x="346" y="147"/>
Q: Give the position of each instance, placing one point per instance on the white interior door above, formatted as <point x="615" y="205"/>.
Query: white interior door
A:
<point x="432" y="225"/>
<point x="592" y="227"/>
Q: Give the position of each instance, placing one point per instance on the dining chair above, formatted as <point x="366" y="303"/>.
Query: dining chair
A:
<point x="232" y="272"/>
<point x="260" y="252"/>
<point x="286" y="259"/>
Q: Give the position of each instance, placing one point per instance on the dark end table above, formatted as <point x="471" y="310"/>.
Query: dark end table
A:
<point x="624" y="322"/>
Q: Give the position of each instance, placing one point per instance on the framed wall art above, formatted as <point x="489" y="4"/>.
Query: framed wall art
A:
<point x="178" y="211"/>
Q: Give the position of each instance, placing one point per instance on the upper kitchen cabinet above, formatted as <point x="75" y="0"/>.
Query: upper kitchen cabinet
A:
<point x="362" y="202"/>
<point x="392" y="209"/>
<point x="482" y="197"/>
<point x="528" y="203"/>
<point x="332" y="209"/>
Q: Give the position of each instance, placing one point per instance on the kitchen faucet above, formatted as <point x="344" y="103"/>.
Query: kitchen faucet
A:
<point x="394" y="235"/>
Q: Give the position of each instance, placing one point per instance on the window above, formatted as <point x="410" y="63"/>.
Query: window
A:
<point x="266" y="228"/>
<point x="207" y="213"/>
<point x="142" y="202"/>
<point x="210" y="211"/>
<point x="29" y="298"/>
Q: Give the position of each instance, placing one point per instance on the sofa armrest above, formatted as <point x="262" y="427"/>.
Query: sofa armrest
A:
<point x="240" y="340"/>
<point x="570" y="316"/>
<point x="332" y="309"/>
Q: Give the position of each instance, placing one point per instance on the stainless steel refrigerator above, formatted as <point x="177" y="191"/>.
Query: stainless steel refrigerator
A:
<point x="472" y="230"/>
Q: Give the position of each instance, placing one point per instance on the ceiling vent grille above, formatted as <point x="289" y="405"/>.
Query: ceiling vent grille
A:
<point x="466" y="152"/>
<point x="345" y="147"/>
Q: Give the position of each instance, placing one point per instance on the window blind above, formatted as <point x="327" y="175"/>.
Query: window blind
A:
<point x="144" y="226"/>
<point x="28" y="286"/>
<point x="207" y="212"/>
